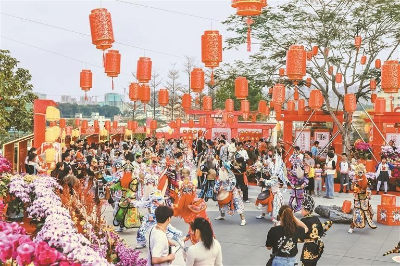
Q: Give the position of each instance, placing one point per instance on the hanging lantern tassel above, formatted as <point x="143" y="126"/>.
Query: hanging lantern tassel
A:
<point x="104" y="60"/>
<point x="112" y="83"/>
<point x="86" y="96"/>
<point x="249" y="21"/>
<point x="296" y="95"/>
<point x="212" y="77"/>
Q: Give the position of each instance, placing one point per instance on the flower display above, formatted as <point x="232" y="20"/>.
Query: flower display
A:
<point x="5" y="165"/>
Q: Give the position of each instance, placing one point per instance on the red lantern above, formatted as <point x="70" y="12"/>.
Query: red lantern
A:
<point x="84" y="125"/>
<point x="107" y="125"/>
<point x="207" y="103"/>
<point x="278" y="94"/>
<point x="191" y="123"/>
<point x="153" y="124"/>
<point x="248" y="7"/>
<point x="350" y="102"/>
<point x="112" y="64"/>
<point x="145" y="94"/>
<point x="281" y="72"/>
<point x="338" y="78"/>
<point x="372" y="84"/>
<point x="134" y="92"/>
<point x="134" y="125"/>
<point x="210" y="122"/>
<point x="357" y="42"/>
<point x="186" y="101"/>
<point x="211" y="48"/>
<point x="178" y="122"/>
<point x="315" y="50"/>
<point x="77" y="122"/>
<point x="130" y="124"/>
<point x="86" y="81"/>
<point x="296" y="94"/>
<point x="245" y="106"/>
<point x="266" y="111"/>
<point x="390" y="76"/>
<point x="96" y="123"/>
<point x="262" y="107"/>
<point x="290" y="106"/>
<point x="278" y="112"/>
<point x="271" y="104"/>
<point x="296" y="58"/>
<point x="316" y="99"/>
<point x="241" y="88"/>
<point x="309" y="55"/>
<point x="363" y="60"/>
<point x="163" y="97"/>
<point x="373" y="97"/>
<point x="101" y="28"/>
<point x="115" y="124"/>
<point x="143" y="71"/>
<point x="378" y="63"/>
<point x="62" y="123"/>
<point x="202" y="121"/>
<point x="380" y="106"/>
<point x="229" y="105"/>
<point x="197" y="80"/>
<point x="172" y="124"/>
<point x="308" y="82"/>
<point x="300" y="106"/>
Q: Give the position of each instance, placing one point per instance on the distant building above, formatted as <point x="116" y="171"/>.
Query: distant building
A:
<point x="114" y="99"/>
<point x="41" y="96"/>
<point x="66" y="99"/>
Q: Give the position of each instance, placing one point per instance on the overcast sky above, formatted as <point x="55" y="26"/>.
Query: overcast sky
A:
<point x="143" y="27"/>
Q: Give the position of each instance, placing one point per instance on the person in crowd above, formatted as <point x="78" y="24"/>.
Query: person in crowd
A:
<point x="330" y="168"/>
<point x="31" y="150"/>
<point x="318" y="180"/>
<point x="282" y="239"/>
<point x="242" y="152"/>
<point x="33" y="167"/>
<point x="158" y="244"/>
<point x="344" y="169"/>
<point x="208" y="250"/>
<point x="239" y="170"/>
<point x="232" y="149"/>
<point x="223" y="151"/>
<point x="383" y="173"/>
<point x="314" y="150"/>
<point x="309" y="164"/>
<point x="58" y="172"/>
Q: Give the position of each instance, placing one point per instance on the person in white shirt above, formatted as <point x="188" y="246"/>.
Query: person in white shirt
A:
<point x="344" y="169"/>
<point x="330" y="168"/>
<point x="232" y="149"/>
<point x="207" y="252"/>
<point x="158" y="251"/>
<point x="242" y="152"/>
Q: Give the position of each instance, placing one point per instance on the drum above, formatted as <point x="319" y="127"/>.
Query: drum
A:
<point x="224" y="197"/>
<point x="264" y="195"/>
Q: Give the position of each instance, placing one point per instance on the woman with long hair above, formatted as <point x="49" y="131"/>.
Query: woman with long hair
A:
<point x="208" y="250"/>
<point x="283" y="239"/>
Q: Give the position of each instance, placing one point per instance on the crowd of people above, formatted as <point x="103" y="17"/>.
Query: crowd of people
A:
<point x="177" y="177"/>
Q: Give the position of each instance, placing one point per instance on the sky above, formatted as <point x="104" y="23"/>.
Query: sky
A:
<point x="165" y="37"/>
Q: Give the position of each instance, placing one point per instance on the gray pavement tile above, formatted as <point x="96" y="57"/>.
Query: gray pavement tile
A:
<point x="354" y="261"/>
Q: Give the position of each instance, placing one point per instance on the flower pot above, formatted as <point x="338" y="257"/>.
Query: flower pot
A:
<point x="27" y="224"/>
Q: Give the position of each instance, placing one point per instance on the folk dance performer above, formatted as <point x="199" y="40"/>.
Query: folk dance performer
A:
<point x="297" y="179"/>
<point x="169" y="183"/>
<point x="362" y="212"/>
<point x="228" y="196"/>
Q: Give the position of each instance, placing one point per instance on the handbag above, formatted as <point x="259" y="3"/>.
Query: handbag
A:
<point x="271" y="259"/>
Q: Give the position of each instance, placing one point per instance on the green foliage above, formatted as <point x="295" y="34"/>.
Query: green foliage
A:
<point x="15" y="95"/>
<point x="68" y="110"/>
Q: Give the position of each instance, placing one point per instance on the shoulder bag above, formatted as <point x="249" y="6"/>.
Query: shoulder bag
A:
<point x="271" y="259"/>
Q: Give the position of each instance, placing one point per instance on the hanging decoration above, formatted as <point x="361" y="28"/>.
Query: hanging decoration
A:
<point x="202" y="121"/>
<point x="249" y="8"/>
<point x="290" y="106"/>
<point x="301" y="104"/>
<point x="211" y="50"/>
<point x="101" y="28"/>
<point x="241" y="88"/>
<point x="134" y="93"/>
<point x="380" y="106"/>
<point x="153" y="124"/>
<point x="186" y="101"/>
<point x="315" y="50"/>
<point x="86" y="81"/>
<point x="163" y="98"/>
<point x="145" y="95"/>
<point x="338" y="78"/>
<point x="112" y="65"/>
<point x="229" y="105"/>
<point x="308" y="82"/>
<point x="350" y="103"/>
<point x="143" y="71"/>
<point x="278" y="94"/>
<point x="84" y="125"/>
<point x="377" y="63"/>
<point x="197" y="80"/>
<point x="390" y="76"/>
<point x="207" y="103"/>
<point x="281" y="72"/>
<point x="357" y="42"/>
<point x="191" y="123"/>
<point x="262" y="107"/>
<point x="363" y="60"/>
<point x="316" y="100"/>
<point x="372" y="84"/>
<point x="373" y="97"/>
<point x="296" y="60"/>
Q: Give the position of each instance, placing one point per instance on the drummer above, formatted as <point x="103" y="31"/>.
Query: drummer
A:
<point x="228" y="195"/>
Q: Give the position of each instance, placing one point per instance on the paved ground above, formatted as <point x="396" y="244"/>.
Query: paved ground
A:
<point x="245" y="245"/>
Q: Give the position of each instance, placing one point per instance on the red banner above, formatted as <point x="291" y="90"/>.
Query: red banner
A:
<point x="68" y="131"/>
<point x="117" y="130"/>
<point x="90" y="131"/>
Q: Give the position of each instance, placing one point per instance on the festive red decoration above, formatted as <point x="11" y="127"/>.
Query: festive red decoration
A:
<point x="241" y="88"/>
<point x="202" y="121"/>
<point x="262" y="107"/>
<point x="143" y="71"/>
<point x="372" y="84"/>
<point x="112" y="64"/>
<point x="134" y="125"/>
<point x="308" y="82"/>
<point x="363" y="60"/>
<point x="390" y="76"/>
<point x="290" y="106"/>
<point x="107" y="125"/>
<point x="153" y="124"/>
<point x="86" y="81"/>
<point x="315" y="50"/>
<point x="163" y="97"/>
<point x="316" y="99"/>
<point x="84" y="125"/>
<point x="309" y="55"/>
<point x="278" y="94"/>
<point x="278" y="112"/>
<point x="172" y="124"/>
<point x="350" y="102"/>
<point x="380" y="106"/>
<point x="130" y="124"/>
<point x="62" y="123"/>
<point x="296" y="94"/>
<point x="115" y="124"/>
<point x="191" y="123"/>
<point x="211" y="48"/>
<point x="145" y="93"/>
<point x="207" y="103"/>
<point x="186" y="101"/>
<point x="101" y="28"/>
<point x="300" y="106"/>
<point x="197" y="80"/>
<point x="378" y="63"/>
<point x="296" y="58"/>
<point x="357" y="42"/>
<point x="248" y="7"/>
<point x="134" y="92"/>
<point x="373" y="97"/>
<point x="245" y="106"/>
<point x="229" y="105"/>
<point x="96" y="123"/>
<point x="77" y="122"/>
<point x="281" y="72"/>
<point x="338" y="78"/>
<point x="178" y="122"/>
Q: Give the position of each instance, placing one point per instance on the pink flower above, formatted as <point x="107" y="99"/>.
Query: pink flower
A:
<point x="25" y="252"/>
<point x="5" y="250"/>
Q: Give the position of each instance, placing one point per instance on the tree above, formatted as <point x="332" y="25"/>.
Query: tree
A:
<point x="175" y="89"/>
<point x="155" y="82"/>
<point x="188" y="65"/>
<point x="332" y="26"/>
<point x="16" y="96"/>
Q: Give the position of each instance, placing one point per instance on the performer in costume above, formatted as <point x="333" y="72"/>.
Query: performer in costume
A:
<point x="363" y="212"/>
<point x="298" y="181"/>
<point x="155" y="199"/>
<point x="228" y="196"/>
<point x="187" y="193"/>
<point x="395" y="250"/>
<point x="207" y="188"/>
<point x="168" y="183"/>
<point x="313" y="245"/>
<point x="126" y="215"/>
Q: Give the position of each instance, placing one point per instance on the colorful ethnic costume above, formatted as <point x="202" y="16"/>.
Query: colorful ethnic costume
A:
<point x="169" y="185"/>
<point x="363" y="212"/>
<point x="207" y="188"/>
<point x="298" y="182"/>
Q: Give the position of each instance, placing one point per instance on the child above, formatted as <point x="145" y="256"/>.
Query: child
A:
<point x="383" y="172"/>
<point x="318" y="180"/>
<point x="344" y="174"/>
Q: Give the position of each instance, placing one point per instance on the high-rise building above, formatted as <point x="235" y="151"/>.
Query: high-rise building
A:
<point x="66" y="99"/>
<point x="114" y="99"/>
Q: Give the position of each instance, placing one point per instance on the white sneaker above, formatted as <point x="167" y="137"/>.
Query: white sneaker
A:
<point x="243" y="223"/>
<point x="260" y="217"/>
<point x="140" y="246"/>
<point x="350" y="231"/>
<point x="247" y="201"/>
<point x="220" y="218"/>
